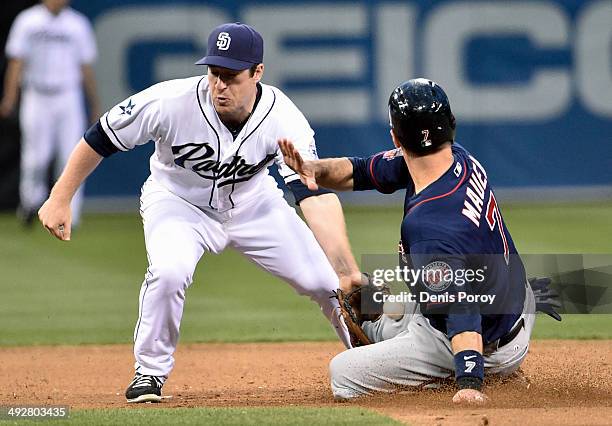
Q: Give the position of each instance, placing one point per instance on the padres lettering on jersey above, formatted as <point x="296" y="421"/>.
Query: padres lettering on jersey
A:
<point x="199" y="158"/>
<point x="196" y="156"/>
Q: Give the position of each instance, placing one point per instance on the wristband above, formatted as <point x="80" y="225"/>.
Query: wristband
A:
<point x="469" y="369"/>
<point x="467" y="382"/>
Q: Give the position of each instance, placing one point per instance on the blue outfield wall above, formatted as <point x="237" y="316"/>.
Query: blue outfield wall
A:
<point x="529" y="81"/>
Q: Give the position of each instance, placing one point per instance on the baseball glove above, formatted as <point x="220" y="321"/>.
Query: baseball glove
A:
<point x="357" y="306"/>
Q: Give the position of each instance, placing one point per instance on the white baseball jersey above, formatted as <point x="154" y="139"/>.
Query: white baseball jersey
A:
<point x="196" y="156"/>
<point x="197" y="161"/>
<point x="53" y="47"/>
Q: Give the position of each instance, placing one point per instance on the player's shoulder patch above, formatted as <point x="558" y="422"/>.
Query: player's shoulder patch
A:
<point x="391" y="154"/>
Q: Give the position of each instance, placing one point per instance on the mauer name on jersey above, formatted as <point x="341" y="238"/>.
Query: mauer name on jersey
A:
<point x="475" y="193"/>
<point x="199" y="158"/>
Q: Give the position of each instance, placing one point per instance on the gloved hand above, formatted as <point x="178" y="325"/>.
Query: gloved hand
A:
<point x="546" y="298"/>
<point x="352" y="306"/>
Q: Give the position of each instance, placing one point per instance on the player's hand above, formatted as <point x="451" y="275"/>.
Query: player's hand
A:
<point x="350" y="281"/>
<point x="294" y="160"/>
<point x="470" y="397"/>
<point x="55" y="216"/>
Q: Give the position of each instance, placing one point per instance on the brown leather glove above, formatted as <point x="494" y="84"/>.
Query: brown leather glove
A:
<point x="357" y="306"/>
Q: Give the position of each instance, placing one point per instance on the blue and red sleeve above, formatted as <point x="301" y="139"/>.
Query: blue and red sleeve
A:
<point x="385" y="172"/>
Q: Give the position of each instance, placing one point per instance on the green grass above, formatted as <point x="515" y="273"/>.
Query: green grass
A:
<point x="574" y="326"/>
<point x="561" y="228"/>
<point x="349" y="416"/>
<point x="86" y="291"/>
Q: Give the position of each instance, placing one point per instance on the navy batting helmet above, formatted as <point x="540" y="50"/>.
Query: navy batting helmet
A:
<point x="420" y="116"/>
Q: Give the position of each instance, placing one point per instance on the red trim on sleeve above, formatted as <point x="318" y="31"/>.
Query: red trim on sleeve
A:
<point x="371" y="170"/>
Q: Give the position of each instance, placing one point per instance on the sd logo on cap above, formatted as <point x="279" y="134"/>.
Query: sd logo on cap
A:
<point x="235" y="46"/>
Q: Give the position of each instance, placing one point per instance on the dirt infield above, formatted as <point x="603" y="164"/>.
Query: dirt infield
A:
<point x="565" y="382"/>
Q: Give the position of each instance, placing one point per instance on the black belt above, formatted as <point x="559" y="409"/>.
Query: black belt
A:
<point x="489" y="348"/>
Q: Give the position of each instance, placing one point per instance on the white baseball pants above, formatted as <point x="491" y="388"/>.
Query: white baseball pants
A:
<point x="51" y="125"/>
<point x="267" y="231"/>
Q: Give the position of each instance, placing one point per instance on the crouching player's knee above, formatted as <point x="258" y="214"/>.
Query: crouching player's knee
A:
<point x="344" y="382"/>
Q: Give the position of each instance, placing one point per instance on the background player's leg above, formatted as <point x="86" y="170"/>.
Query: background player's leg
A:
<point x="416" y="357"/>
<point x="37" y="138"/>
<point x="271" y="234"/>
<point x="71" y="127"/>
<point x="176" y="236"/>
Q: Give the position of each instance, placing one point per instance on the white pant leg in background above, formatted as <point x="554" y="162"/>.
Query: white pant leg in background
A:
<point x="70" y="129"/>
<point x="37" y="122"/>
<point x="271" y="234"/>
<point x="176" y="236"/>
<point x="51" y="126"/>
<point x="418" y="356"/>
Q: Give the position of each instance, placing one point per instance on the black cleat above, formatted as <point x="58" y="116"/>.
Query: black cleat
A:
<point x="144" y="389"/>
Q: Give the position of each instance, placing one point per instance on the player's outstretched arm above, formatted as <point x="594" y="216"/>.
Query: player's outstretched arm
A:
<point x="324" y="216"/>
<point x="55" y="213"/>
<point x="332" y="173"/>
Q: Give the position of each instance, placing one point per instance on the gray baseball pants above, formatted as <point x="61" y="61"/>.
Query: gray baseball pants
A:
<point x="411" y="353"/>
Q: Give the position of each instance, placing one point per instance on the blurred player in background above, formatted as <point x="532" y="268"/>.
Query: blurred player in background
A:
<point x="214" y="135"/>
<point x="51" y="50"/>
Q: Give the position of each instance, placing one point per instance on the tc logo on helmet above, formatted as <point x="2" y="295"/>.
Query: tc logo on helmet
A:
<point x="223" y="41"/>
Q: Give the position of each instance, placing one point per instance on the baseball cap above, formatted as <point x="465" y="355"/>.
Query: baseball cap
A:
<point x="235" y="46"/>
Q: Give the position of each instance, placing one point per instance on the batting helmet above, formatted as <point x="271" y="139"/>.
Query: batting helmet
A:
<point x="420" y="116"/>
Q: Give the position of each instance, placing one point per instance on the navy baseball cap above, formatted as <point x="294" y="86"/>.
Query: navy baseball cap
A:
<point x="235" y="46"/>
